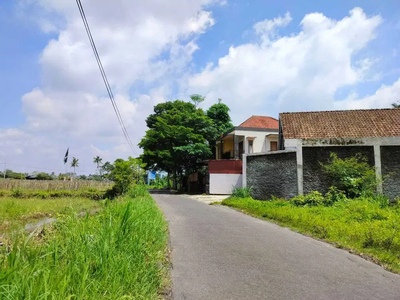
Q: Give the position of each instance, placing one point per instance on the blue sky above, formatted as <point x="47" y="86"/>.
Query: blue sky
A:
<point x="154" y="53"/>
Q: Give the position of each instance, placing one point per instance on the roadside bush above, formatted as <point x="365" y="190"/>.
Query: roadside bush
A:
<point x="138" y="190"/>
<point x="241" y="192"/>
<point x="334" y="195"/>
<point x="354" y="176"/>
<point x="313" y="198"/>
<point x="17" y="193"/>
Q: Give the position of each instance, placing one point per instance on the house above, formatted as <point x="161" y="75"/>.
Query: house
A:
<point x="258" y="134"/>
<point x="375" y="133"/>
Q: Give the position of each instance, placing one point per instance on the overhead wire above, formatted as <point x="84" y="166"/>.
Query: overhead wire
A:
<point x="104" y="76"/>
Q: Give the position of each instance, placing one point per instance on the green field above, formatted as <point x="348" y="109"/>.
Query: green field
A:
<point x="369" y="227"/>
<point x="118" y="253"/>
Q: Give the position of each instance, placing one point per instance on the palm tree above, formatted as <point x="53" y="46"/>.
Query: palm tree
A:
<point x="97" y="160"/>
<point x="75" y="164"/>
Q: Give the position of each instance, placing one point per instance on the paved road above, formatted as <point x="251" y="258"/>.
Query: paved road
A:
<point x="218" y="253"/>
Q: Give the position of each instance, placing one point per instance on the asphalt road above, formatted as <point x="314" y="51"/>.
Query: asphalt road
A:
<point x="219" y="253"/>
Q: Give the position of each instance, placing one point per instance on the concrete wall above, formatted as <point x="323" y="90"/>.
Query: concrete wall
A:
<point x="223" y="184"/>
<point x="272" y="174"/>
<point x="260" y="142"/>
<point x="390" y="161"/>
<point x="314" y="179"/>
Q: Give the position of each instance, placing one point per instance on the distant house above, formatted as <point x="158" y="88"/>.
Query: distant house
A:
<point x="258" y="134"/>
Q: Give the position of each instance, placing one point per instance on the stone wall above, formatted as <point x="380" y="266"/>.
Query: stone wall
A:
<point x="313" y="175"/>
<point x="390" y="161"/>
<point x="270" y="174"/>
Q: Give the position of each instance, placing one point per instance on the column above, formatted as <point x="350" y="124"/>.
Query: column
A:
<point x="378" y="167"/>
<point x="244" y="171"/>
<point x="299" y="159"/>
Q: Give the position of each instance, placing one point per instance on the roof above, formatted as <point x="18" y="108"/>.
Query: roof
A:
<point x="262" y="122"/>
<point x="341" y="124"/>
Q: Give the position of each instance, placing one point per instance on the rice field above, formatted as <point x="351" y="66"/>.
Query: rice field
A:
<point x="53" y="185"/>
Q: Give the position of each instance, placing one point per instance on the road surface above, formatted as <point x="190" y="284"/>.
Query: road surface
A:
<point x="219" y="253"/>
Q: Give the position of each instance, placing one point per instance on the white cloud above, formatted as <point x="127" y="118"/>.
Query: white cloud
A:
<point x="301" y="71"/>
<point x="147" y="50"/>
<point x="141" y="43"/>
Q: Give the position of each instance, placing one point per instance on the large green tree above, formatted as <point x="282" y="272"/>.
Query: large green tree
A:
<point x="177" y="140"/>
<point x="219" y="114"/>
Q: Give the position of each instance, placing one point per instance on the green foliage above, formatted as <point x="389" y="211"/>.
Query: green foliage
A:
<point x="367" y="225"/>
<point x="116" y="254"/>
<point x="219" y="114"/>
<point x="177" y="138"/>
<point x="241" y="192"/>
<point x="352" y="175"/>
<point x="124" y="174"/>
<point x="311" y="199"/>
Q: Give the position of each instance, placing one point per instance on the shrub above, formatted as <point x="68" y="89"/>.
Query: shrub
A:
<point x="241" y="192"/>
<point x="334" y="195"/>
<point x="17" y="193"/>
<point x="352" y="175"/>
<point x="311" y="199"/>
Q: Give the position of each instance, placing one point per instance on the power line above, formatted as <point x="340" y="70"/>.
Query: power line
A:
<point x="104" y="76"/>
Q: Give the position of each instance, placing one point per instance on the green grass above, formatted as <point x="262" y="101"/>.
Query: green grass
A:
<point x="14" y="212"/>
<point x="20" y="193"/>
<point x="119" y="253"/>
<point x="365" y="226"/>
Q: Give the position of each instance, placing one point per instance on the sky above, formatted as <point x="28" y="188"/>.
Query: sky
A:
<point x="259" y="57"/>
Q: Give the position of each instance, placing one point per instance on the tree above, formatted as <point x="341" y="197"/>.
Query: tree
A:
<point x="97" y="160"/>
<point x="125" y="173"/>
<point x="197" y="99"/>
<point x="219" y="114"/>
<point x="396" y="104"/>
<point x="75" y="164"/>
<point x="177" y="140"/>
<point x="107" y="168"/>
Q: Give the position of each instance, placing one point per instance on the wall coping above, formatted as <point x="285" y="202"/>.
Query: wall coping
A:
<point x="270" y="153"/>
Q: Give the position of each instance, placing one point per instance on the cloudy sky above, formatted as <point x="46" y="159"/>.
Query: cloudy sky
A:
<point x="261" y="57"/>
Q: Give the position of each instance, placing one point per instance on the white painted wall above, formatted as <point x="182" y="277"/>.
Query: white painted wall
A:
<point x="261" y="143"/>
<point x="223" y="184"/>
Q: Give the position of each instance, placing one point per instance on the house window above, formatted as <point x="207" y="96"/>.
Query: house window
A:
<point x="251" y="146"/>
<point x="274" y="146"/>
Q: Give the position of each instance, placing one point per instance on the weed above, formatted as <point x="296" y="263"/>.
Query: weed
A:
<point x="241" y="192"/>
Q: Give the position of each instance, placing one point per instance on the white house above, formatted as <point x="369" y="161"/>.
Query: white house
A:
<point x="258" y="134"/>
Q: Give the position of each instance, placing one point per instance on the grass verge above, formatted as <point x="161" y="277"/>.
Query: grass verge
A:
<point x="358" y="225"/>
<point x="118" y="253"/>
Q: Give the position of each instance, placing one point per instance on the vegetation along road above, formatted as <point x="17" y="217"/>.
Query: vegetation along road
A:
<point x="219" y="253"/>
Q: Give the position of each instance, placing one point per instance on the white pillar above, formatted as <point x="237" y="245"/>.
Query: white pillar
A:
<point x="378" y="167"/>
<point x="244" y="170"/>
<point x="299" y="159"/>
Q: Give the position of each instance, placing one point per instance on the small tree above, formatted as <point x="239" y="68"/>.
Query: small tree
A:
<point x="75" y="164"/>
<point x="125" y="173"/>
<point x="354" y="176"/>
<point x="197" y="99"/>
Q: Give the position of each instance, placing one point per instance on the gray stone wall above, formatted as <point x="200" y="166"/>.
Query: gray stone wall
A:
<point x="314" y="177"/>
<point x="390" y="161"/>
<point x="272" y="174"/>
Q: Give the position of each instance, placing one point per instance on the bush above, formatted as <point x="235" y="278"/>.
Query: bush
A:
<point x="354" y="176"/>
<point x="311" y="199"/>
<point x="17" y="193"/>
<point x="241" y="192"/>
<point x="334" y="195"/>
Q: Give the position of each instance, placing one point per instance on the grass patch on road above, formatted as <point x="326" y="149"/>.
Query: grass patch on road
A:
<point x="362" y="225"/>
<point x="119" y="253"/>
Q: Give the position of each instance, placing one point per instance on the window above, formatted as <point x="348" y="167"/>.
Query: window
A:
<point x="274" y="146"/>
<point x="251" y="146"/>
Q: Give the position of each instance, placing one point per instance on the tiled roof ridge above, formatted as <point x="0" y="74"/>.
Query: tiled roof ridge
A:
<point x="338" y="110"/>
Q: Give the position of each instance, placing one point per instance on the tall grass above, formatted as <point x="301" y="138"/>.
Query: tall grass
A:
<point x="53" y="185"/>
<point x="367" y="225"/>
<point x="117" y="254"/>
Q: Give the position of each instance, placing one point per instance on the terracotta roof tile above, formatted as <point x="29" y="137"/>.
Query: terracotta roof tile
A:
<point x="261" y="122"/>
<point x="341" y="124"/>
